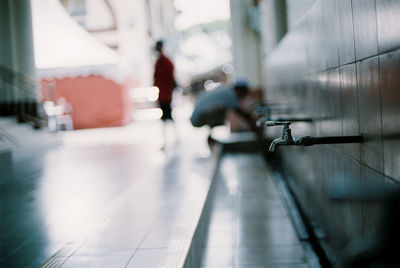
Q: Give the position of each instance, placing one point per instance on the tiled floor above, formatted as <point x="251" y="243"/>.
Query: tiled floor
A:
<point x="249" y="225"/>
<point x="104" y="198"/>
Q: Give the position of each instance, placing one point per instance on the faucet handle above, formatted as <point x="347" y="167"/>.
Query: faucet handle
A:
<point x="285" y="124"/>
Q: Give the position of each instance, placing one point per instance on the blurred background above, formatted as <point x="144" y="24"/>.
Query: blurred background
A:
<point x="80" y="44"/>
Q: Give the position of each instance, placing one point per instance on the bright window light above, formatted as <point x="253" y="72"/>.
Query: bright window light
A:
<point x="147" y="114"/>
<point x="144" y="93"/>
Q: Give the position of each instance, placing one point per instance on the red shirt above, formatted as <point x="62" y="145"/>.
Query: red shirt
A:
<point x="164" y="78"/>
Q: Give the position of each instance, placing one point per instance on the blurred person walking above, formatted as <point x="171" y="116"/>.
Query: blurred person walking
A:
<point x="164" y="80"/>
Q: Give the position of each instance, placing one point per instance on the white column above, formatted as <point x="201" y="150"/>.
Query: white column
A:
<point x="245" y="44"/>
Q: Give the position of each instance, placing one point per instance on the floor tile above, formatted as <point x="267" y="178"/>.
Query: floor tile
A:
<point x="265" y="255"/>
<point x="220" y="239"/>
<point x="147" y="258"/>
<point x="107" y="259"/>
<point x="218" y="256"/>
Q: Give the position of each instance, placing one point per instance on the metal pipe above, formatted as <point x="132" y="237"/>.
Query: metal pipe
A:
<point x="308" y="140"/>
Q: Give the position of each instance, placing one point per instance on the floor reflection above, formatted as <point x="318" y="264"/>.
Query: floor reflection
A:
<point x="88" y="194"/>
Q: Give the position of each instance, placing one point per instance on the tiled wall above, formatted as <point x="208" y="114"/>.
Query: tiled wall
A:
<point x="341" y="66"/>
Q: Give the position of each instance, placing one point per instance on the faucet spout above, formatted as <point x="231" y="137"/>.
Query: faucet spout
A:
<point x="276" y="142"/>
